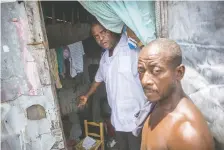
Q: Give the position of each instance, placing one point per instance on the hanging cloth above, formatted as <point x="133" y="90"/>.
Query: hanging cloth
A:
<point x="139" y="16"/>
<point x="54" y="68"/>
<point x="60" y="60"/>
<point x="76" y="58"/>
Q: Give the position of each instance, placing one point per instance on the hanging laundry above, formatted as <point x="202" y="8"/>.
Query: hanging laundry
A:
<point x="76" y="58"/>
<point x="54" y="68"/>
<point x="66" y="52"/>
<point x="60" y="60"/>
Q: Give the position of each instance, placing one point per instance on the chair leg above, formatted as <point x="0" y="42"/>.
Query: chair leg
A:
<point x="102" y="136"/>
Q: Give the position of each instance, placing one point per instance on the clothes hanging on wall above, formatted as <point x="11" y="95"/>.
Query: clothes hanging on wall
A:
<point x="76" y="59"/>
<point x="66" y="52"/>
<point x="60" y="59"/>
<point x="54" y="68"/>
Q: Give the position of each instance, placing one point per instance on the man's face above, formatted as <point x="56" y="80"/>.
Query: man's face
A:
<point x="156" y="75"/>
<point x="103" y="37"/>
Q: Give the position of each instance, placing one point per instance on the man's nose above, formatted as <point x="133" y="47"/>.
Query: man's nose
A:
<point x="101" y="37"/>
<point x="147" y="79"/>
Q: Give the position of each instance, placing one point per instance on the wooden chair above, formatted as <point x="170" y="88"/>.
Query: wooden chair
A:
<point x="99" y="143"/>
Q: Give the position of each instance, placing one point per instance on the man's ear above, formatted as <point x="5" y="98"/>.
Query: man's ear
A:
<point x="180" y="71"/>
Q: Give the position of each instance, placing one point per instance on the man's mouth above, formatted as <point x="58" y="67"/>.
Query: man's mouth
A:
<point x="105" y="44"/>
<point x="149" y="90"/>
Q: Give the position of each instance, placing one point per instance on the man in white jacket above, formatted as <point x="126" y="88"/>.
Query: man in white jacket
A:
<point x="118" y="69"/>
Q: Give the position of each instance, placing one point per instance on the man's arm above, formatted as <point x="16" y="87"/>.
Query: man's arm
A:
<point x="93" y="88"/>
<point x="187" y="137"/>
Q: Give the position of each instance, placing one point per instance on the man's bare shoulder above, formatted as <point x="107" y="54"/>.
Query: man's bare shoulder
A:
<point x="189" y="111"/>
<point x="188" y="137"/>
<point x="190" y="131"/>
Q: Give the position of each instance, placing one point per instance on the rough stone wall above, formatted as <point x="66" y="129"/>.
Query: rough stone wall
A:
<point x="199" y="28"/>
<point x="30" y="118"/>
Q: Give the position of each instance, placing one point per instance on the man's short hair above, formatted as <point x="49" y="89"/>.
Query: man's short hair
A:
<point x="171" y="48"/>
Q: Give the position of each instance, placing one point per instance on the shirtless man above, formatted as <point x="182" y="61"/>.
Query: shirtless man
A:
<point x="175" y="122"/>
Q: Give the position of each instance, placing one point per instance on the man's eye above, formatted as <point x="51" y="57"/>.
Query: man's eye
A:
<point x="156" y="71"/>
<point x="141" y="70"/>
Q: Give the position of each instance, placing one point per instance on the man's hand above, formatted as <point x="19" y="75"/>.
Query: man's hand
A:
<point x="82" y="101"/>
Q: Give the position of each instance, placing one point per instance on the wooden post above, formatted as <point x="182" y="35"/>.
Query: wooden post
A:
<point x="63" y="16"/>
<point x="86" y="127"/>
<point x="72" y="16"/>
<point x="53" y="15"/>
<point x="77" y="15"/>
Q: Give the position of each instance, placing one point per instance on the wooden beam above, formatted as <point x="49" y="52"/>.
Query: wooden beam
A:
<point x="72" y="16"/>
<point x="63" y="16"/>
<point x="93" y="124"/>
<point x="53" y="14"/>
<point x="94" y="135"/>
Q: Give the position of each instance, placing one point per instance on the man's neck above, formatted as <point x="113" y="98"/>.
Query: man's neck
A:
<point x="111" y="50"/>
<point x="170" y="103"/>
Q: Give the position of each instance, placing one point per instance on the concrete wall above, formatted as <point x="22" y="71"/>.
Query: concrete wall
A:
<point x="30" y="118"/>
<point x="199" y="28"/>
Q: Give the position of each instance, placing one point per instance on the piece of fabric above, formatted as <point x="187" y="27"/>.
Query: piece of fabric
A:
<point x="66" y="52"/>
<point x="124" y="91"/>
<point x="60" y="60"/>
<point x="76" y="59"/>
<point x="104" y="14"/>
<point x="139" y="16"/>
<point x="142" y="115"/>
<point x="54" y="68"/>
<point x="127" y="141"/>
<point x="133" y="40"/>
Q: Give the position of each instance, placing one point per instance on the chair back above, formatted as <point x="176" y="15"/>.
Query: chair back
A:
<point x="100" y="135"/>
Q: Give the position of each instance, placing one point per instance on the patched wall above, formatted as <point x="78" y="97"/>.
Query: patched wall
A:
<point x="30" y="118"/>
<point x="199" y="28"/>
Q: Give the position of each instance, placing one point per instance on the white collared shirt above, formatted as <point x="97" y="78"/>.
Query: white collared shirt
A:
<point x="124" y="91"/>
